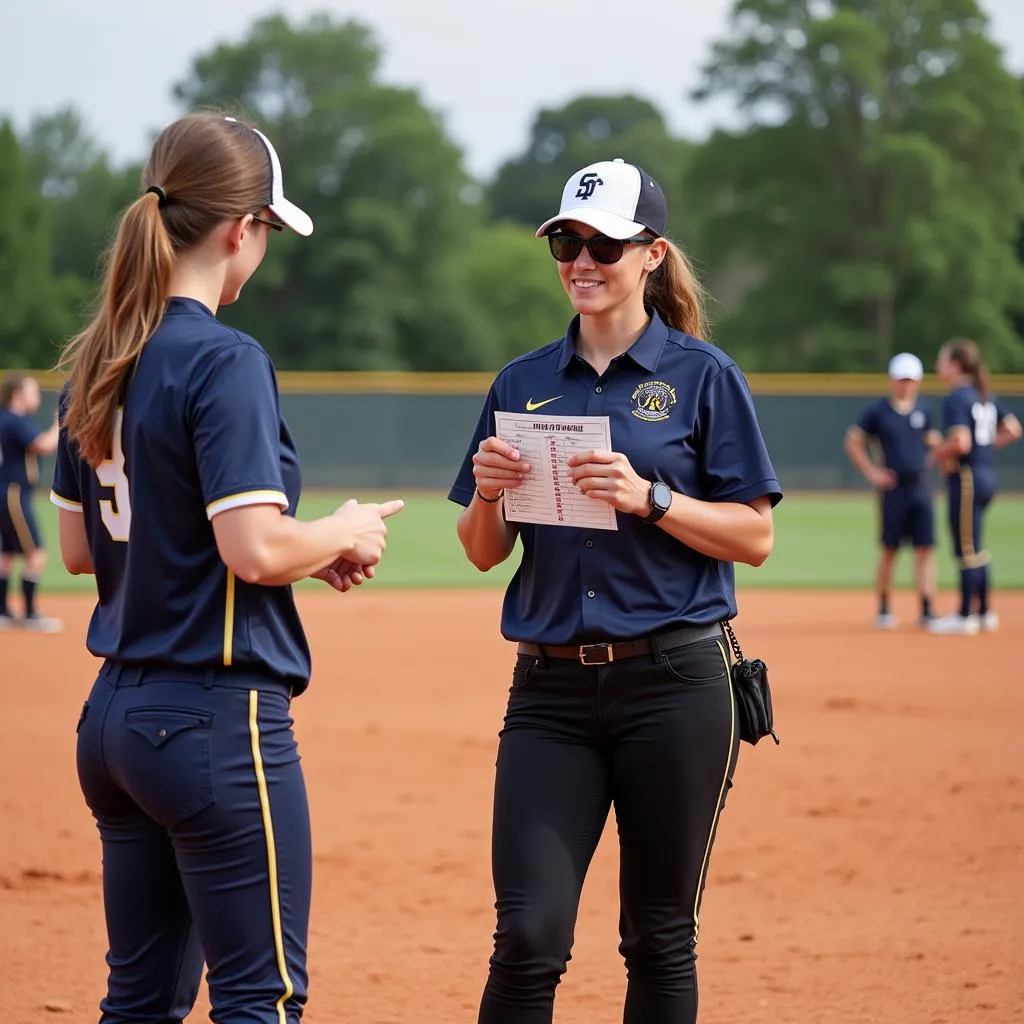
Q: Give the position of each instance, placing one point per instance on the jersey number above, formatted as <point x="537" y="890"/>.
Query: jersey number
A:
<point x="985" y="423"/>
<point x="116" y="514"/>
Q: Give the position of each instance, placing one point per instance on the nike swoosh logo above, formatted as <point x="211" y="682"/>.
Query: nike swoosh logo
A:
<point x="531" y="404"/>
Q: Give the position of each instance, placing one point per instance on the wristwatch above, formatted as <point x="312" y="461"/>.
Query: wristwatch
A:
<point x="661" y="499"/>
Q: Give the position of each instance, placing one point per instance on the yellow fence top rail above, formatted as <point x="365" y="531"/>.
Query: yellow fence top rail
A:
<point x="399" y="382"/>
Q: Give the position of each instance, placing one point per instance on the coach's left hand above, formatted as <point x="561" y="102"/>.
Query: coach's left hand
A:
<point x="608" y="476"/>
<point x="343" y="575"/>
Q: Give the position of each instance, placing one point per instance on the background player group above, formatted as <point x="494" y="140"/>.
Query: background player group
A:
<point x="895" y="442"/>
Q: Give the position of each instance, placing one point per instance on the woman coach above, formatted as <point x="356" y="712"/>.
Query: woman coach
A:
<point x="620" y="693"/>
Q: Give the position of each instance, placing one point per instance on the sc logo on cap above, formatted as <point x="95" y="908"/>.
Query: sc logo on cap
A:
<point x="588" y="183"/>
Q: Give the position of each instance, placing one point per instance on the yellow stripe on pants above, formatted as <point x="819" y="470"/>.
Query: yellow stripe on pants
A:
<point x="721" y="792"/>
<point x="268" y="831"/>
<point x="28" y="545"/>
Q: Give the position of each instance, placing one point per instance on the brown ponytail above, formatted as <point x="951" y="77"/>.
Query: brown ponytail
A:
<point x="966" y="355"/>
<point x="678" y="296"/>
<point x="203" y="170"/>
<point x="138" y="273"/>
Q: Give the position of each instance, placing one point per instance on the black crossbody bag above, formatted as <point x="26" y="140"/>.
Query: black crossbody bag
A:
<point x="753" y="695"/>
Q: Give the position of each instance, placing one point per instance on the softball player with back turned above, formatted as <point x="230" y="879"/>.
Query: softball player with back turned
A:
<point x="621" y="693"/>
<point x="902" y="427"/>
<point x="975" y="424"/>
<point x="21" y="444"/>
<point x="177" y="483"/>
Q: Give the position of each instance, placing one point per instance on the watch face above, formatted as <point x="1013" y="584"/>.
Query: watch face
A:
<point x="661" y="495"/>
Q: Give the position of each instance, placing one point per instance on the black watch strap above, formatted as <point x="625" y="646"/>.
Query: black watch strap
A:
<point x="658" y="508"/>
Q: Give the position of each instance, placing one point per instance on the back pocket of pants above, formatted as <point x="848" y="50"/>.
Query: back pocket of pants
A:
<point x="166" y="761"/>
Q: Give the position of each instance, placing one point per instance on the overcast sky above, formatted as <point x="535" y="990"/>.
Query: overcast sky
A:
<point x="487" y="67"/>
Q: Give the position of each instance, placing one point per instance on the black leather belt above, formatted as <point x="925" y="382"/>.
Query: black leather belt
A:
<point x="605" y="654"/>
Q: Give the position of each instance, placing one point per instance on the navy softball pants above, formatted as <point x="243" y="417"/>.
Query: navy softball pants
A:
<point x="654" y="736"/>
<point x="200" y="802"/>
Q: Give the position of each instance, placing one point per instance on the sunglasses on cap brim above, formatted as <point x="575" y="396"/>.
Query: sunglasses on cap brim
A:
<point x="566" y="247"/>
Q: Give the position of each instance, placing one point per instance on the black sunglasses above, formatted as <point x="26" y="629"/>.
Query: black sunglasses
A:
<point x="565" y="247"/>
<point x="274" y="225"/>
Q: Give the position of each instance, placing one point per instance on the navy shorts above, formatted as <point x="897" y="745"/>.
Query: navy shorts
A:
<point x="907" y="514"/>
<point x="969" y="495"/>
<point x="19" y="533"/>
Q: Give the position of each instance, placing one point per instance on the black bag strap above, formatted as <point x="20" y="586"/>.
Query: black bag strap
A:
<point x="733" y="642"/>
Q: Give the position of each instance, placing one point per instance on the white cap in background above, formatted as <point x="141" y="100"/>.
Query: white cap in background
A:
<point x="905" y="366"/>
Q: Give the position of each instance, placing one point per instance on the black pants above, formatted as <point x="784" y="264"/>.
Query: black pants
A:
<point x="656" y="738"/>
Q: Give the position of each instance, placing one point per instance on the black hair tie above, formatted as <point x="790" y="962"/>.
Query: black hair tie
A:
<point x="161" y="195"/>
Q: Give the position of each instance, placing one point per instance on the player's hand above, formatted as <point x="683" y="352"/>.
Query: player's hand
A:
<point x="884" y="479"/>
<point x="939" y="457"/>
<point x="497" y="466"/>
<point x="609" y="476"/>
<point x="343" y="575"/>
<point x="368" y="531"/>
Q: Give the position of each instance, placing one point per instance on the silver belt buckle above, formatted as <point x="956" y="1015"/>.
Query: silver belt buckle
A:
<point x="596" y="654"/>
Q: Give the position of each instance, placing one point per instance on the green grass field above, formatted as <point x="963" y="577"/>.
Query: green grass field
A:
<point x="820" y="541"/>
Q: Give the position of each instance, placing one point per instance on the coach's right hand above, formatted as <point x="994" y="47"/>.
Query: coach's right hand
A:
<point x="496" y="467"/>
<point x="368" y="532"/>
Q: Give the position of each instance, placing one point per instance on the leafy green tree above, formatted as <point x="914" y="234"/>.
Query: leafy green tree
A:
<point x="874" y="197"/>
<point x="527" y="189"/>
<point x="512" y="280"/>
<point x="371" y="287"/>
<point x="85" y="194"/>
<point x="33" y="307"/>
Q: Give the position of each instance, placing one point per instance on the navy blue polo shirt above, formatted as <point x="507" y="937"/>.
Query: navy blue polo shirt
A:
<point x="901" y="435"/>
<point x="679" y="410"/>
<point x="200" y="432"/>
<point x="17" y="464"/>
<point x="964" y="407"/>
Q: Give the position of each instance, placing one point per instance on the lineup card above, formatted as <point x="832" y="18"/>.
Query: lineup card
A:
<point x="548" y="494"/>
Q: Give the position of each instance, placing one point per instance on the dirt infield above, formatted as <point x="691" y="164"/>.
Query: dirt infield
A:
<point x="868" y="870"/>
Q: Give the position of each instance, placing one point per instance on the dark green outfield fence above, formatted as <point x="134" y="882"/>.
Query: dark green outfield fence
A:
<point x="411" y="430"/>
<point x="373" y="440"/>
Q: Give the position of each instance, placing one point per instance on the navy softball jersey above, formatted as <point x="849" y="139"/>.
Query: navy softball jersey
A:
<point x="17" y="464"/>
<point x="679" y="410"/>
<point x="972" y="486"/>
<point x="185" y="749"/>
<point x="19" y="473"/>
<point x="901" y="436"/>
<point x="200" y="432"/>
<point x="907" y="511"/>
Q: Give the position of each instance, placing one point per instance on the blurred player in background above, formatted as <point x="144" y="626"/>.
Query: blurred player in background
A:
<point x="975" y="423"/>
<point x="22" y="441"/>
<point x="902" y="428"/>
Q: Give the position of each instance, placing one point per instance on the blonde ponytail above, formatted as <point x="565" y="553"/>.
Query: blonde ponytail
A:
<point x="678" y="296"/>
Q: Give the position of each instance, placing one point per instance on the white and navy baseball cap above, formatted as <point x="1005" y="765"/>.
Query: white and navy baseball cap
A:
<point x="905" y="366"/>
<point x="618" y="199"/>
<point x="284" y="209"/>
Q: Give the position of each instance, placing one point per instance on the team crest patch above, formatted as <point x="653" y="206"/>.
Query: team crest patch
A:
<point x="653" y="401"/>
<point x="917" y="419"/>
